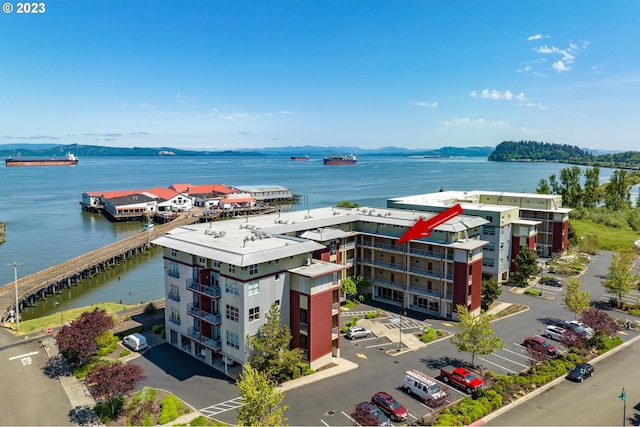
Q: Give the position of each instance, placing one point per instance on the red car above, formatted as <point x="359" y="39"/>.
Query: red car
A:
<point x="539" y="344"/>
<point x="390" y="406"/>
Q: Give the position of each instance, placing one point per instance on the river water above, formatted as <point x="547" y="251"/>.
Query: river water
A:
<point x="46" y="226"/>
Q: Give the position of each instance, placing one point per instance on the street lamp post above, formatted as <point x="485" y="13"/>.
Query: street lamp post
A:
<point x="15" y="281"/>
<point x="623" y="397"/>
<point x="404" y="311"/>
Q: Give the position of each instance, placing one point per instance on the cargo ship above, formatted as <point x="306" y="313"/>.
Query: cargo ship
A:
<point x="68" y="160"/>
<point x="340" y="159"/>
<point x="300" y="158"/>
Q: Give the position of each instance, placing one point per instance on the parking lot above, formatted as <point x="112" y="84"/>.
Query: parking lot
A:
<point x="330" y="402"/>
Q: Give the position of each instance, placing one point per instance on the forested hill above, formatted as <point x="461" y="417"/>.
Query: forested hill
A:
<point x="538" y="151"/>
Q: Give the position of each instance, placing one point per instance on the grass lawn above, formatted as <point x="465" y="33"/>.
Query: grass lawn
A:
<point x="54" y="320"/>
<point x="609" y="238"/>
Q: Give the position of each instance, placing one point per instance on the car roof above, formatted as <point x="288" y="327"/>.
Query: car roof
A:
<point x="555" y="328"/>
<point x="384" y="395"/>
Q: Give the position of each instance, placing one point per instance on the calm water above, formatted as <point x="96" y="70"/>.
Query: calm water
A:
<point x="45" y="225"/>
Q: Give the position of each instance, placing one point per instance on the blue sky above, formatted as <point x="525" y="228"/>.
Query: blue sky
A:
<point x="263" y="73"/>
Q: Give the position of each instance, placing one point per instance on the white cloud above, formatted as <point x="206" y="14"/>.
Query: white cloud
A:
<point x="495" y="94"/>
<point x="465" y="121"/>
<point x="286" y="113"/>
<point x="235" y="116"/>
<point x="537" y="37"/>
<point x="520" y="97"/>
<point x="473" y="94"/>
<point x="538" y="105"/>
<point x="560" y="66"/>
<point x="426" y="104"/>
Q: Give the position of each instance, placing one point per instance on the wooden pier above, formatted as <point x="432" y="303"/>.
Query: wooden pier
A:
<point x="53" y="279"/>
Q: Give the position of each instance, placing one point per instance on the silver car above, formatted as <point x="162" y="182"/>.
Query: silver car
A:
<point x="357" y="332"/>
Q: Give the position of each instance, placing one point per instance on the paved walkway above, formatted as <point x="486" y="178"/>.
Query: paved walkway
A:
<point x="76" y="391"/>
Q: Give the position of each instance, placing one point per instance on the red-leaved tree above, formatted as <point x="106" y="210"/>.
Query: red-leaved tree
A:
<point x="601" y="323"/>
<point x="108" y="382"/>
<point x="538" y="353"/>
<point x="77" y="340"/>
<point x="363" y="416"/>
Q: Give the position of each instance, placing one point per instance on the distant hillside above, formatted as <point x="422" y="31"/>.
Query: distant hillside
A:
<point x="538" y="151"/>
<point x="27" y="150"/>
<point x="542" y="151"/>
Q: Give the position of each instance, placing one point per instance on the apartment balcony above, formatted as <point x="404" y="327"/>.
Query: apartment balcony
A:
<point x="215" y="345"/>
<point x="174" y="296"/>
<point x="304" y="328"/>
<point x="175" y="320"/>
<point x="389" y="266"/>
<point x="426" y="272"/>
<point x="208" y="290"/>
<point x="388" y="248"/>
<point x="430" y="254"/>
<point x="193" y="310"/>
<point x="335" y="308"/>
<point x="173" y="273"/>
<point x="389" y="284"/>
<point x="347" y="246"/>
<point x="335" y="333"/>
<point x="430" y="293"/>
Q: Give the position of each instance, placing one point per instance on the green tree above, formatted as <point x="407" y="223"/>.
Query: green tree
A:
<point x="543" y="187"/>
<point x="349" y="288"/>
<point x="575" y="298"/>
<point x="591" y="195"/>
<point x="491" y="290"/>
<point x="619" y="279"/>
<point x="475" y="335"/>
<point x="269" y="348"/>
<point x="617" y="195"/>
<point x="361" y="282"/>
<point x="570" y="186"/>
<point x="527" y="266"/>
<point x="261" y="399"/>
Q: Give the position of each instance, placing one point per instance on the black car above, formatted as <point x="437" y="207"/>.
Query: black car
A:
<point x="580" y="372"/>
<point x="551" y="282"/>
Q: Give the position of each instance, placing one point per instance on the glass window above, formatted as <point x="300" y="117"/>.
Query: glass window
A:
<point x="254" y="314"/>
<point x="253" y="269"/>
<point x="232" y="313"/>
<point x="231" y="287"/>
<point x="233" y="340"/>
<point x="254" y="288"/>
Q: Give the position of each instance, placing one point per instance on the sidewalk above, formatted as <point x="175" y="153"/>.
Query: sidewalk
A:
<point x="76" y="391"/>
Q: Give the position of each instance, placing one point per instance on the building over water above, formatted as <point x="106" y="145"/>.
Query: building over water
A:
<point x="221" y="278"/>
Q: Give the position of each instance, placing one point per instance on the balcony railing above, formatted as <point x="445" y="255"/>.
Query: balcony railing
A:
<point x="173" y="273"/>
<point x="174" y="296"/>
<point x="204" y="315"/>
<point x="304" y="328"/>
<point x="215" y="345"/>
<point x="209" y="290"/>
<point x="194" y="333"/>
<point x="175" y="320"/>
<point x="335" y="333"/>
<point x="389" y="284"/>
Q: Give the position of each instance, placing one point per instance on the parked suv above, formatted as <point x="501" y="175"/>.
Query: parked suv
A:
<point x="554" y="332"/>
<point x="582" y="329"/>
<point x="357" y="332"/>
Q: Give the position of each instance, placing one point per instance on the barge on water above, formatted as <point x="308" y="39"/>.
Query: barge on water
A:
<point x="68" y="160"/>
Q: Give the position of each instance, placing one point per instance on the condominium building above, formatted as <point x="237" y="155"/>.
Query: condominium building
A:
<point x="537" y="221"/>
<point x="222" y="277"/>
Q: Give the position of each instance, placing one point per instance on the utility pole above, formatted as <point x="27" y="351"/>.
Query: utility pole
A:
<point x="15" y="281"/>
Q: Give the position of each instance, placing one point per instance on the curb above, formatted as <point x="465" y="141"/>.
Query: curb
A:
<point x="539" y="390"/>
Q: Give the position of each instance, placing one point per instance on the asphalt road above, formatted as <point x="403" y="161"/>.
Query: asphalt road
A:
<point x="28" y="396"/>
<point x="594" y="402"/>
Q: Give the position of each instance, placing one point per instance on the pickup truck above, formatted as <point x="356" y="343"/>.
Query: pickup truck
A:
<point x="463" y="378"/>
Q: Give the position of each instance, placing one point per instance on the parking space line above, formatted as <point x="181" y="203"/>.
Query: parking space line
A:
<point x="362" y="339"/>
<point x="381" y="345"/>
<point x="518" y="354"/>
<point x="23" y="355"/>
<point x="509" y="360"/>
<point x="500" y="366"/>
<point x="352" y="420"/>
<point x="324" y="422"/>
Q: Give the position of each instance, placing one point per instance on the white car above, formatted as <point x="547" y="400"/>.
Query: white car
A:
<point x="581" y="328"/>
<point x="357" y="332"/>
<point x="554" y="332"/>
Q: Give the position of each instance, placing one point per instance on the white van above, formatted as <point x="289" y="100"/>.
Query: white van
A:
<point x="424" y="387"/>
<point x="135" y="342"/>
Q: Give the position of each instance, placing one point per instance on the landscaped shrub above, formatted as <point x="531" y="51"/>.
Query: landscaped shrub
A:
<point x="170" y="409"/>
<point x="428" y="336"/>
<point x="104" y="410"/>
<point x="534" y="292"/>
<point x="370" y="315"/>
<point x="106" y="343"/>
<point x="157" y="328"/>
<point x="125" y="352"/>
<point x="608" y="344"/>
<point x="361" y="298"/>
<point x="344" y="329"/>
<point x="141" y="407"/>
<point x="634" y="311"/>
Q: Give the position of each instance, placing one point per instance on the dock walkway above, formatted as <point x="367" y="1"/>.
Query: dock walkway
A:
<point x="52" y="279"/>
